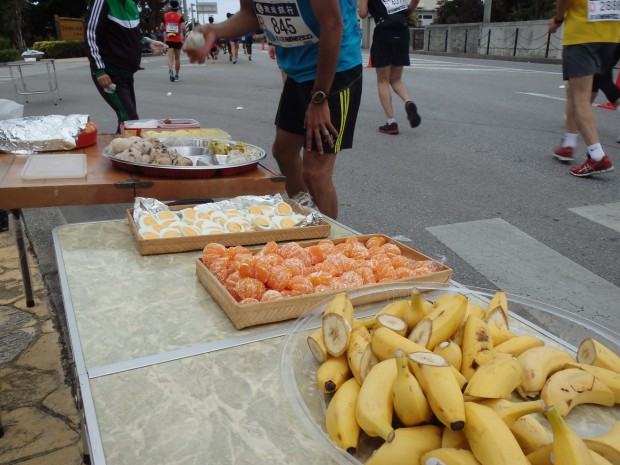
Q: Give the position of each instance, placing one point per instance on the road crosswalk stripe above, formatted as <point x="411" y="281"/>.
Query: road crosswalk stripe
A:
<point x="519" y="264"/>
<point x="607" y="214"/>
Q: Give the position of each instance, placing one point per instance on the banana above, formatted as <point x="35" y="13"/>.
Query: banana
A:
<point x="441" y="323"/>
<point x="610" y="378"/>
<point x="451" y="352"/>
<point x="500" y="334"/>
<point x="518" y="344"/>
<point x="568" y="447"/>
<point x="497" y="311"/>
<point x="454" y="439"/>
<point x="568" y="388"/>
<point x="417" y="309"/>
<point x="317" y="345"/>
<point x="607" y="444"/>
<point x="477" y="345"/>
<point x="340" y="421"/>
<point x="530" y="434"/>
<point x="440" y="387"/>
<point x="410" y="404"/>
<point x="359" y="353"/>
<point x="332" y="373"/>
<point x="541" y="456"/>
<point x="375" y="403"/>
<point x="397" y="308"/>
<point x="599" y="459"/>
<point x="393" y="322"/>
<point x="491" y="441"/>
<point x="408" y="446"/>
<point x="472" y="308"/>
<point x="594" y="353"/>
<point x="442" y="299"/>
<point x="495" y="379"/>
<point x="510" y="411"/>
<point x="337" y="324"/>
<point x="385" y="343"/>
<point x="538" y="363"/>
<point x="449" y="456"/>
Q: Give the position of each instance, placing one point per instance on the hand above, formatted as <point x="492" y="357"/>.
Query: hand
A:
<point x="104" y="81"/>
<point x="553" y="25"/>
<point x="272" y="51"/>
<point x="157" y="47"/>
<point x="199" y="56"/>
<point x="319" y="126"/>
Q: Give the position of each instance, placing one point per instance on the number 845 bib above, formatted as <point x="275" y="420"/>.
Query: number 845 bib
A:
<point x="283" y="23"/>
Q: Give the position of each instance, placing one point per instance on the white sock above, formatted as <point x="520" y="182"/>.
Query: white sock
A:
<point x="596" y="152"/>
<point x="391" y="120"/>
<point x="569" y="140"/>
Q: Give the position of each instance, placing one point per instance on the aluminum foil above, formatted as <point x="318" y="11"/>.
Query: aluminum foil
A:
<point x="41" y="133"/>
<point x="241" y="203"/>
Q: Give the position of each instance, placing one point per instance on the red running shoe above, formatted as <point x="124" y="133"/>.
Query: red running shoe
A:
<point x="590" y="167"/>
<point x="389" y="128"/>
<point x="564" y="153"/>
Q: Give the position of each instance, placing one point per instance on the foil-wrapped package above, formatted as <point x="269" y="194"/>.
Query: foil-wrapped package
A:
<point x="41" y="133"/>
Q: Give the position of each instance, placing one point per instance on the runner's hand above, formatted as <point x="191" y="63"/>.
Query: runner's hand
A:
<point x="319" y="126"/>
<point x="199" y="56"/>
<point x="157" y="47"/>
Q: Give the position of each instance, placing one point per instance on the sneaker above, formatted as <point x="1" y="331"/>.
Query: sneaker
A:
<point x="389" y="128"/>
<point x="412" y="114"/>
<point x="564" y="153"/>
<point x="250" y="58"/>
<point x="590" y="167"/>
<point x="235" y="61"/>
<point x="171" y="75"/>
<point x="176" y="78"/>
<point x="212" y="61"/>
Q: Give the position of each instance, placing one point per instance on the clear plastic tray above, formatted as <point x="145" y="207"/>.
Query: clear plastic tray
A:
<point x="55" y="166"/>
<point x="557" y="327"/>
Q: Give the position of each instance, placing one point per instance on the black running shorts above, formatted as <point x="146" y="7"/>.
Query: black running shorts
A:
<point x="587" y="59"/>
<point x="390" y="47"/>
<point x="344" y="102"/>
<point x="174" y="45"/>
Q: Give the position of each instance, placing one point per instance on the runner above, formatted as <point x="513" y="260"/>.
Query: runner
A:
<point x="214" y="46"/>
<point x="174" y="31"/>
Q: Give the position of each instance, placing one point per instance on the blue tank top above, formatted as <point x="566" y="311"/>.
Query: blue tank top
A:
<point x="291" y="25"/>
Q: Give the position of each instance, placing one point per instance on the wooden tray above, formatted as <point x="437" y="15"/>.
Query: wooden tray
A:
<point x="185" y="244"/>
<point x="288" y="308"/>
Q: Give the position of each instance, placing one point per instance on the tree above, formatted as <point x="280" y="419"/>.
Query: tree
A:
<point x="521" y="10"/>
<point x="459" y="11"/>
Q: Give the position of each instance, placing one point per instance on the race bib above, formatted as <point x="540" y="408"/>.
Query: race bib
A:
<point x="603" y="10"/>
<point x="394" y="6"/>
<point x="283" y="24"/>
<point x="172" y="27"/>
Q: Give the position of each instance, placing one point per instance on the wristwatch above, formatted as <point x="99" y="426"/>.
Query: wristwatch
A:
<point x="318" y="96"/>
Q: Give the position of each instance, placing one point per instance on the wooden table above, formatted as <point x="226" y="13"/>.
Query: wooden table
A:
<point x="104" y="184"/>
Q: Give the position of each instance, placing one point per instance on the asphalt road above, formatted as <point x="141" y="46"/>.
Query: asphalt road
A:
<point x="475" y="185"/>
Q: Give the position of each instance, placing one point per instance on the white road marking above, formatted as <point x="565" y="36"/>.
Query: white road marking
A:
<point x="607" y="214"/>
<point x="542" y="95"/>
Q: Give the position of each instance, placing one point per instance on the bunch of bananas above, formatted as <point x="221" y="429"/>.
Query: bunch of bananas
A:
<point x="447" y="382"/>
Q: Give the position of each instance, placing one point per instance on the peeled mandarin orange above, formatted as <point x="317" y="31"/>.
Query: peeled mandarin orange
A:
<point x="249" y="300"/>
<point x="214" y="248"/>
<point x="375" y="241"/>
<point x="301" y="285"/>
<point x="250" y="287"/>
<point x="271" y="294"/>
<point x="295" y="265"/>
<point x="279" y="278"/>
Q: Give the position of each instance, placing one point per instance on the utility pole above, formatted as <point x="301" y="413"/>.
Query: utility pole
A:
<point x="487" y="11"/>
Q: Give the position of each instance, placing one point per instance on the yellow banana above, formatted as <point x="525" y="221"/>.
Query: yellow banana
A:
<point x="510" y="411"/>
<point x="518" y="344"/>
<point x="408" y="446"/>
<point x="542" y="455"/>
<point x="538" y="363"/>
<point x="397" y="308"/>
<point x="497" y="310"/>
<point x="568" y="447"/>
<point x="477" y="345"/>
<point x="495" y="379"/>
<point x="607" y="444"/>
<point x="474" y="309"/>
<point x="417" y="309"/>
<point x="530" y="434"/>
<point x="449" y="456"/>
<point x="599" y="459"/>
<point x="454" y="439"/>
<point x="500" y="334"/>
<point x="332" y="373"/>
<point x="594" y="353"/>
<point x="491" y="441"/>
<point x="393" y="322"/>
<point x="441" y="300"/>
<point x="440" y="387"/>
<point x="410" y="404"/>
<point x="451" y="352"/>
<point x="568" y="388"/>
<point x="340" y="421"/>
<point x="359" y="353"/>
<point x="610" y="378"/>
<point x="441" y="323"/>
<point x="375" y="403"/>
<point x="337" y="324"/>
<point x="317" y="345"/>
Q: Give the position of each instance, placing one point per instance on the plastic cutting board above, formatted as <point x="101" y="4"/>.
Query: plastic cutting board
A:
<point x="48" y="166"/>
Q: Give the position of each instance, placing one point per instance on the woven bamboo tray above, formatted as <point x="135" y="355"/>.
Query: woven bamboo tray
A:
<point x="243" y="316"/>
<point x="185" y="244"/>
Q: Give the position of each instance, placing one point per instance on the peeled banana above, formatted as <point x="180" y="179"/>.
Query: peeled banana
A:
<point x="477" y="345"/>
<point x="337" y="324"/>
<point x="317" y="345"/>
<point x="340" y="421"/>
<point x="440" y="323"/>
<point x="451" y="352"/>
<point x="359" y="353"/>
<point x="594" y="353"/>
<point x="497" y="310"/>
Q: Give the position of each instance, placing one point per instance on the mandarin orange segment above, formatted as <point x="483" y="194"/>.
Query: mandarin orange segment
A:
<point x="250" y="287"/>
<point x="328" y="267"/>
<point x="403" y="272"/>
<point x="262" y="269"/>
<point x="237" y="250"/>
<point x="290" y="250"/>
<point x="301" y="285"/>
<point x="359" y="252"/>
<point x="368" y="277"/>
<point x="316" y="254"/>
<point x="273" y="259"/>
<point x="230" y="283"/>
<point x="214" y="248"/>
<point x="374" y="250"/>
<point x="249" y="300"/>
<point x="399" y="261"/>
<point x="270" y="247"/>
<point x="390" y="248"/>
<point x="351" y="279"/>
<point x="246" y="270"/>
<point x="279" y="278"/>
<point x="295" y="265"/>
<point x="344" y="248"/>
<point x="375" y="241"/>
<point x="318" y="278"/>
<point x="351" y="240"/>
<point x="207" y="259"/>
<point x="271" y="294"/>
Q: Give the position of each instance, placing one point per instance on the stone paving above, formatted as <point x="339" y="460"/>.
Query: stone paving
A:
<point x="37" y="411"/>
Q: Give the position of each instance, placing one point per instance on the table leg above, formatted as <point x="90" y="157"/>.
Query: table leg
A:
<point x="55" y="80"/>
<point x="23" y="257"/>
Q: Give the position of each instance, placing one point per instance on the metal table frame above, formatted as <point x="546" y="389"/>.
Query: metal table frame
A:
<point x="52" y="80"/>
